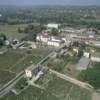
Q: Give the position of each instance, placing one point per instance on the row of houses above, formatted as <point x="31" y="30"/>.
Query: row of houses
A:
<point x="92" y="54"/>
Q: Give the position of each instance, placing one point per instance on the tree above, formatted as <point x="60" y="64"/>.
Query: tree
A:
<point x="20" y="30"/>
<point x="80" y="53"/>
<point x="2" y="39"/>
<point x="92" y="76"/>
<point x="54" y="31"/>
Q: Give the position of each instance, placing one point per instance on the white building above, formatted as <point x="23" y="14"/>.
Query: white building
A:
<point x="28" y="73"/>
<point x="42" y="38"/>
<point x="52" y="25"/>
<point x="76" y="49"/>
<point x="32" y="71"/>
<point x="54" y="43"/>
<point x="50" y="40"/>
<point x="86" y="54"/>
<point x="95" y="57"/>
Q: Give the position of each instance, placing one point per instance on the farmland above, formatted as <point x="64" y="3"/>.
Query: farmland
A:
<point x="55" y="89"/>
<point x="11" y="30"/>
<point x="63" y="89"/>
<point x="13" y="62"/>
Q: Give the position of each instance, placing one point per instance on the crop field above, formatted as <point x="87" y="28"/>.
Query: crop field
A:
<point x="13" y="62"/>
<point x="63" y="89"/>
<point x="57" y="89"/>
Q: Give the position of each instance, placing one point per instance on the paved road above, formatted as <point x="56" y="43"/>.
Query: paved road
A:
<point x="72" y="80"/>
<point x="7" y="87"/>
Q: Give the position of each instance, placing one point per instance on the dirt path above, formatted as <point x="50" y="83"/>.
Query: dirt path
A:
<point x="72" y="80"/>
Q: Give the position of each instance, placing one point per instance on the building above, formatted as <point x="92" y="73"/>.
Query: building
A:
<point x="50" y="40"/>
<point x="86" y="54"/>
<point x="76" y="49"/>
<point x="52" y="25"/>
<point x="95" y="57"/>
<point x="83" y="64"/>
<point x="32" y="71"/>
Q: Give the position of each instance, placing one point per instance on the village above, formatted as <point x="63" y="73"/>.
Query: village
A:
<point x="70" y="51"/>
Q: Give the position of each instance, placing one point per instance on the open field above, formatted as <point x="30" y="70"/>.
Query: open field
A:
<point x="55" y="89"/>
<point x="13" y="62"/>
<point x="11" y="30"/>
<point x="32" y="93"/>
<point x="63" y="89"/>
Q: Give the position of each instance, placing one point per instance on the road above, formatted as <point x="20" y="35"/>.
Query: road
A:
<point x="7" y="87"/>
<point x="72" y="80"/>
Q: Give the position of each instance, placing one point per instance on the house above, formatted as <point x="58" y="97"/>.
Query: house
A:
<point x="42" y="38"/>
<point x="52" y="25"/>
<point x="95" y="57"/>
<point x="76" y="49"/>
<point x="86" y="54"/>
<point x="32" y="71"/>
<point x="83" y="64"/>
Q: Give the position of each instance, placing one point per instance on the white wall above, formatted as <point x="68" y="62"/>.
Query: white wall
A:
<point x="86" y="54"/>
<point x="53" y="26"/>
<point x="28" y="73"/>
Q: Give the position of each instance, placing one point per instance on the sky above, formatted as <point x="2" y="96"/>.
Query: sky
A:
<point x="49" y="2"/>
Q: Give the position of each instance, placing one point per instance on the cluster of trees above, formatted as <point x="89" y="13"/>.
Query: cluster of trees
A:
<point x="2" y="39"/>
<point x="31" y="31"/>
<point x="54" y="32"/>
<point x="92" y="76"/>
<point x="31" y="28"/>
<point x="71" y="15"/>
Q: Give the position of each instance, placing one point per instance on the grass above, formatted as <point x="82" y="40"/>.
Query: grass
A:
<point x="57" y="89"/>
<point x="60" y="63"/>
<point x="32" y="93"/>
<point x="11" y="30"/>
<point x="13" y="62"/>
<point x="5" y="76"/>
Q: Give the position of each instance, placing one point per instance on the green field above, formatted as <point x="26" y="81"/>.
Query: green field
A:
<point x="63" y="89"/>
<point x="11" y="31"/>
<point x="57" y="89"/>
<point x="32" y="93"/>
<point x="13" y="62"/>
